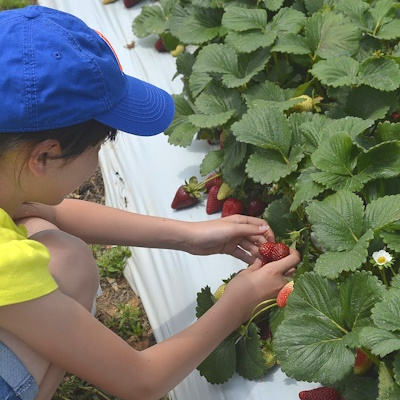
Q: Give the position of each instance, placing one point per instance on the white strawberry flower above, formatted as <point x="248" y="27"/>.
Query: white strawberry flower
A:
<point x="382" y="258"/>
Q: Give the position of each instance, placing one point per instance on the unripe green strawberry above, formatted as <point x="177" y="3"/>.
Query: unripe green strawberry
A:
<point x="362" y="363"/>
<point x="269" y="356"/>
<point x="220" y="291"/>
<point x="283" y="294"/>
<point x="224" y="191"/>
<point x="232" y="206"/>
<point x="178" y="50"/>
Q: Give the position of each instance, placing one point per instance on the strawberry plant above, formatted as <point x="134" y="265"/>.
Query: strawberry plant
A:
<point x="303" y="98"/>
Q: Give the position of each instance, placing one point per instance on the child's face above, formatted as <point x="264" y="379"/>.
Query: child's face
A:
<point x="63" y="178"/>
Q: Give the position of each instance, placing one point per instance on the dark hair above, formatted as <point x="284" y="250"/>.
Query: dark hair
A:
<point x="74" y="140"/>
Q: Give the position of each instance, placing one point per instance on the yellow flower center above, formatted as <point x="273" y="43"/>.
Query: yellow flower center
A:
<point x="381" y="260"/>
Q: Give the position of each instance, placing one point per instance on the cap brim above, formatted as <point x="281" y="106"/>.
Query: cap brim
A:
<point x="146" y="110"/>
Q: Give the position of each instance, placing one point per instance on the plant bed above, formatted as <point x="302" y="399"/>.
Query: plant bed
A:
<point x="299" y="101"/>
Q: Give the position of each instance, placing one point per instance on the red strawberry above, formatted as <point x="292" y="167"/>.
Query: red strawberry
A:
<point x="213" y="204"/>
<point x="265" y="331"/>
<point x="213" y="179"/>
<point x="273" y="251"/>
<point x="188" y="194"/>
<point x="130" y="3"/>
<point x="232" y="206"/>
<point x="256" y="207"/>
<point x="321" y="393"/>
<point x="362" y="363"/>
<point x="396" y="115"/>
<point x="283" y="294"/>
<point x="159" y="46"/>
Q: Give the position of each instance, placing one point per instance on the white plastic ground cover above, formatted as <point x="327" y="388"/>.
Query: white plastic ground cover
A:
<point x="142" y="175"/>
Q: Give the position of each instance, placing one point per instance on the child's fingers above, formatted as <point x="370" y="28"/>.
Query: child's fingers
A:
<point x="286" y="264"/>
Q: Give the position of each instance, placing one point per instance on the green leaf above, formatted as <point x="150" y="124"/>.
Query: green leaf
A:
<point x="291" y="43"/>
<point x="198" y="81"/>
<point x="386" y="314"/>
<point x="250" y="361"/>
<point x="358" y="295"/>
<point x="382" y="212"/>
<point x="354" y="10"/>
<point x="380" y="73"/>
<point x="267" y="166"/>
<point x="369" y="103"/>
<point x="233" y="175"/>
<point x="280" y="219"/>
<point x="181" y="135"/>
<point x="353" y="126"/>
<point x="388" y="389"/>
<point x="337" y="220"/>
<point x="288" y="20"/>
<point x="192" y="25"/>
<point x="219" y="366"/>
<point x="216" y="58"/>
<point x="265" y="127"/>
<point x="387" y="131"/>
<point x="360" y="387"/>
<point x="234" y="151"/>
<point x="336" y="72"/>
<point x="389" y="31"/>
<point x="338" y="182"/>
<point x="332" y="264"/>
<point x="337" y="154"/>
<point x="151" y="20"/>
<point x="204" y="301"/>
<point x="210" y="120"/>
<point x="273" y="5"/>
<point x="239" y="19"/>
<point x="396" y="368"/>
<point x="211" y="161"/>
<point x="309" y="342"/>
<point x="306" y="189"/>
<point x="249" y="41"/>
<point x="380" y="161"/>
<point x="392" y="240"/>
<point x="332" y="36"/>
<point x="380" y="341"/>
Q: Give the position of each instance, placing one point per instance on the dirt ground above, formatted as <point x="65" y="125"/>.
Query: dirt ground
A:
<point x="115" y="291"/>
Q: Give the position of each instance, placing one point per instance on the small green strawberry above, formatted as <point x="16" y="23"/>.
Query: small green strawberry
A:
<point x="220" y="291"/>
<point x="224" y="191"/>
<point x="269" y="355"/>
<point x="232" y="206"/>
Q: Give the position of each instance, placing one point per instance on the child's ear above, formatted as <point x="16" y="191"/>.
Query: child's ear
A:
<point x="42" y="154"/>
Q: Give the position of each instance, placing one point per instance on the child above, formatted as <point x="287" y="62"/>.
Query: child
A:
<point x="63" y="94"/>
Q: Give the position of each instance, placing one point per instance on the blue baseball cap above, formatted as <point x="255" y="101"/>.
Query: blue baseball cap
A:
<point x="55" y="71"/>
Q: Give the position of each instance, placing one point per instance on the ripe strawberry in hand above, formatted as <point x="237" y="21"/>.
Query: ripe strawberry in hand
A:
<point x="271" y="251"/>
<point x="283" y="294"/>
<point x="321" y="393"/>
<point x="213" y="204"/>
<point x="232" y="206"/>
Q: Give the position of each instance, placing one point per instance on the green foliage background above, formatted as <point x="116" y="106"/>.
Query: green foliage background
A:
<point x="330" y="173"/>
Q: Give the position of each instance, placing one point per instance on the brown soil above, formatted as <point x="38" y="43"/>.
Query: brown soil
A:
<point x="115" y="291"/>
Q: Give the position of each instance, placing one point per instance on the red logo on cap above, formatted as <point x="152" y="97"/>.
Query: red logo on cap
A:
<point x="112" y="49"/>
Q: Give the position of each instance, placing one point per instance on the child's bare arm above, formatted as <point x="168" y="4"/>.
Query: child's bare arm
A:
<point x="95" y="223"/>
<point x="67" y="335"/>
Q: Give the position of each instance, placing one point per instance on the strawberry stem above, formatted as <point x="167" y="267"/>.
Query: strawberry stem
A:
<point x="259" y="313"/>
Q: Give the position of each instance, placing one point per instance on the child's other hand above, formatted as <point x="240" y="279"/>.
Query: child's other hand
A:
<point x="237" y="235"/>
<point x="260" y="282"/>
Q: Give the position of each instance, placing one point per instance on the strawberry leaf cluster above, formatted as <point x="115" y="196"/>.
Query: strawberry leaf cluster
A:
<point x="302" y="97"/>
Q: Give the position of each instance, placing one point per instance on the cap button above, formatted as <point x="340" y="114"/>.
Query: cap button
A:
<point x="31" y="12"/>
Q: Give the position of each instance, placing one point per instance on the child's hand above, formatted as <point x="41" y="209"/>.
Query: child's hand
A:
<point x="237" y="235"/>
<point x="259" y="282"/>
